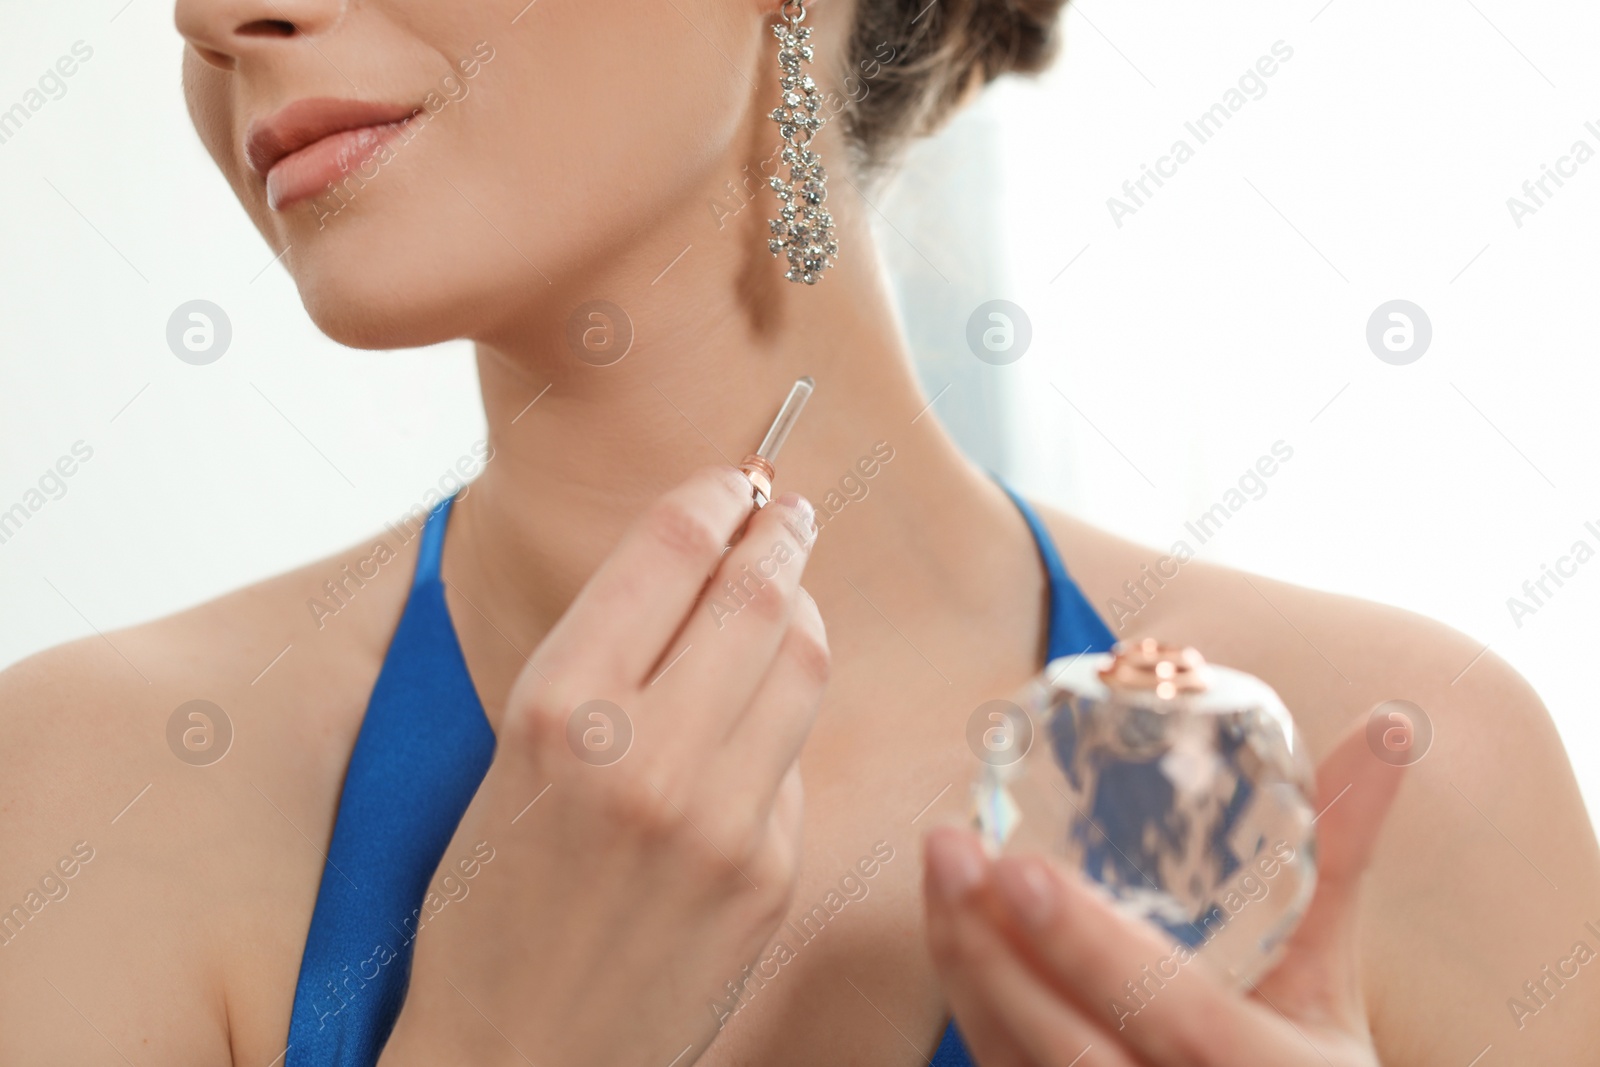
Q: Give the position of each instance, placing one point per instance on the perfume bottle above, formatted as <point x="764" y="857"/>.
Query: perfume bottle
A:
<point x="1181" y="787"/>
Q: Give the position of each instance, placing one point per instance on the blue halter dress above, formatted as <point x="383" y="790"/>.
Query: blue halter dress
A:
<point x="423" y="749"/>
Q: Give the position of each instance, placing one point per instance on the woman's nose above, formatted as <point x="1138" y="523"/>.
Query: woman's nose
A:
<point x="225" y="31"/>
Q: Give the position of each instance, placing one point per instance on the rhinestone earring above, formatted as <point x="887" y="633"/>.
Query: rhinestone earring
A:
<point x="803" y="230"/>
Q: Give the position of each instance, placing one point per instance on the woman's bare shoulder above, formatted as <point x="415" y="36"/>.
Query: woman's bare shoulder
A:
<point x="1488" y="870"/>
<point x="159" y="786"/>
<point x="88" y="721"/>
<point x="334" y="607"/>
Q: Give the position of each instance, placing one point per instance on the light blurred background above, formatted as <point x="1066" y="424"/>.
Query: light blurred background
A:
<point x="1226" y="313"/>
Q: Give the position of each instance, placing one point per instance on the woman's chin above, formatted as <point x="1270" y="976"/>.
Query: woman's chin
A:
<point x="393" y="298"/>
<point x="358" y="324"/>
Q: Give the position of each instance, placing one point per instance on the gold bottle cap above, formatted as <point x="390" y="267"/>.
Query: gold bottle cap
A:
<point x="760" y="473"/>
<point x="1166" y="670"/>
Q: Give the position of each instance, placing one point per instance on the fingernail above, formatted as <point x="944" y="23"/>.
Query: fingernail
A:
<point x="805" y="516"/>
<point x="954" y="864"/>
<point x="1028" y="889"/>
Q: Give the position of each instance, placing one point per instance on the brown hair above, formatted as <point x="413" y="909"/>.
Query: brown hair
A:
<point x="942" y="51"/>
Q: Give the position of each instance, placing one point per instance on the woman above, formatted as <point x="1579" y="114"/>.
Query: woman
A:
<point x="424" y="776"/>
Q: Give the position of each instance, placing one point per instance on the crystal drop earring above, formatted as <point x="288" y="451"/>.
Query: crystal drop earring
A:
<point x="803" y="230"/>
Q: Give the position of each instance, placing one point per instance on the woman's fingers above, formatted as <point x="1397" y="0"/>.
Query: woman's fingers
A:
<point x="630" y="609"/>
<point x="1320" y="976"/>
<point x="1008" y="1016"/>
<point x="1157" y="999"/>
<point x="987" y="1036"/>
<point x="786" y="819"/>
<point x="727" y="649"/>
<point x="767" y="739"/>
<point x="997" y="927"/>
<point x="1161" y="1004"/>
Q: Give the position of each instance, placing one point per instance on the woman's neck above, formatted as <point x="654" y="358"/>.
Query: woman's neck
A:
<point x="579" y="450"/>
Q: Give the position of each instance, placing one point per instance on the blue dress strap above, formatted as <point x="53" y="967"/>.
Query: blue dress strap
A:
<point x="430" y="554"/>
<point x="1074" y="628"/>
<point x="952" y="1052"/>
<point x="422" y="752"/>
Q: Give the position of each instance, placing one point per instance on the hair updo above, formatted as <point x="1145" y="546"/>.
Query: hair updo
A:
<point x="952" y="48"/>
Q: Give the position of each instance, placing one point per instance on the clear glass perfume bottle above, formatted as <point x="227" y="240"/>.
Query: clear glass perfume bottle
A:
<point x="1181" y="787"/>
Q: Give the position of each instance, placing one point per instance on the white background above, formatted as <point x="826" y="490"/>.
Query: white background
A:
<point x="1228" y="313"/>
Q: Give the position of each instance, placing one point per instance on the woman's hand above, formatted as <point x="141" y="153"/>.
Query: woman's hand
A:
<point x="619" y="907"/>
<point x="1034" y="960"/>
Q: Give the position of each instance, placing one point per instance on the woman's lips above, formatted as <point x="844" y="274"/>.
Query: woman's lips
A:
<point x="309" y="143"/>
<point x="303" y="174"/>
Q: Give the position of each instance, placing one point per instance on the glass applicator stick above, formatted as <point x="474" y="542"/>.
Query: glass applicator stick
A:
<point x="778" y="432"/>
<point x="758" y="465"/>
